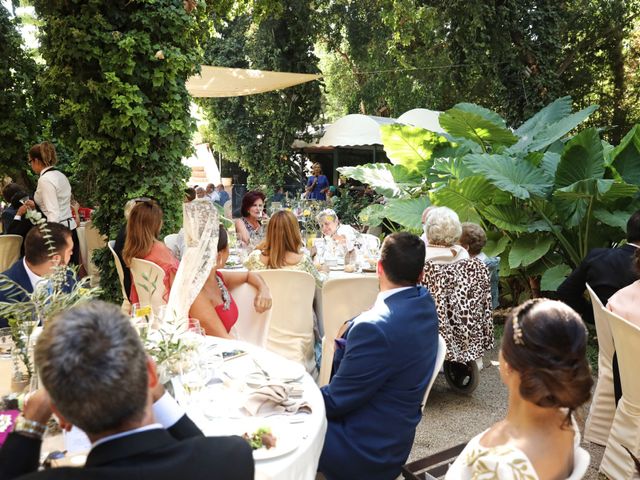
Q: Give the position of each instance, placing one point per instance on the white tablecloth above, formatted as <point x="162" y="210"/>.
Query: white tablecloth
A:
<point x="307" y="430"/>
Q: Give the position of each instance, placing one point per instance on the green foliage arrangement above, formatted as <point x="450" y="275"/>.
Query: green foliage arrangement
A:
<point x="257" y="130"/>
<point x="118" y="70"/>
<point x="545" y="197"/>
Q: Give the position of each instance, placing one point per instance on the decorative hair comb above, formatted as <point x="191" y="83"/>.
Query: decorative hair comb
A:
<point x="517" y="332"/>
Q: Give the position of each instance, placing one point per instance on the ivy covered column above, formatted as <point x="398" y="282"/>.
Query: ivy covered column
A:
<point x="117" y="69"/>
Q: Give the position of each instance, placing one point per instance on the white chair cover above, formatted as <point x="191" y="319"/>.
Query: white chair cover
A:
<point x="201" y="224"/>
<point x="126" y="306"/>
<point x="342" y="299"/>
<point x="291" y="327"/>
<point x="172" y="243"/>
<point x="625" y="430"/>
<point x="442" y="351"/>
<point x="9" y="250"/>
<point x="603" y="405"/>
<point x="94" y="241"/>
<point x="149" y="281"/>
<point x="251" y="326"/>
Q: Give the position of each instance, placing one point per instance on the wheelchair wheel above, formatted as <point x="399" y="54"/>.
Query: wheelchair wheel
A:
<point x="462" y="377"/>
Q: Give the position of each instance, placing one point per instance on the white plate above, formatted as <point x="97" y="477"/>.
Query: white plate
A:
<point x="287" y="440"/>
<point x="282" y="370"/>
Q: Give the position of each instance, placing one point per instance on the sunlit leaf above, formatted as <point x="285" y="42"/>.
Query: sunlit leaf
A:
<point x="582" y="159"/>
<point x="409" y="146"/>
<point x="625" y="158"/>
<point x="464" y="124"/>
<point x="507" y="217"/>
<point x="407" y="212"/>
<point x="386" y="179"/>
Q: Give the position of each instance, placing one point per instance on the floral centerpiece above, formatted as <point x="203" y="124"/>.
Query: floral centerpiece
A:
<point x="24" y="310"/>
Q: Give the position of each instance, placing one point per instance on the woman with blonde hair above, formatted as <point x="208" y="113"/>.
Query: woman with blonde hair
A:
<point x="53" y="193"/>
<point x="442" y="228"/>
<point x="282" y="247"/>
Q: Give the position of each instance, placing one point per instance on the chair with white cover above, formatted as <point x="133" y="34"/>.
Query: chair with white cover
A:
<point x="9" y="250"/>
<point x="342" y="299"/>
<point x="149" y="281"/>
<point x="94" y="240"/>
<point x="625" y="430"/>
<point x="603" y="404"/>
<point x="171" y="241"/>
<point x="371" y="241"/>
<point x="227" y="208"/>
<point x="290" y="331"/>
<point x="251" y="326"/>
<point x="126" y="306"/>
<point x="440" y="354"/>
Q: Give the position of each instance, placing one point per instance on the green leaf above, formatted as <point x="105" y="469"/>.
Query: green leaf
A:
<point x="386" y="179"/>
<point x="464" y="197"/>
<point x="552" y="113"/>
<point x="626" y="156"/>
<point x="516" y="176"/>
<point x="483" y="112"/>
<point x="553" y="277"/>
<point x="527" y="249"/>
<point x="494" y="247"/>
<point x="549" y="163"/>
<point x="409" y="146"/>
<point x="507" y="217"/>
<point x="582" y="159"/>
<point x="616" y="219"/>
<point x="407" y="212"/>
<point x="372" y="215"/>
<point x="472" y="126"/>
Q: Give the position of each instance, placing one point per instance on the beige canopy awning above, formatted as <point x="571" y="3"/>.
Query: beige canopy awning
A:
<point x="236" y="82"/>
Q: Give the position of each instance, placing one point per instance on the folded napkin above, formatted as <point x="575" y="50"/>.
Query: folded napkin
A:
<point x="7" y="419"/>
<point x="275" y="399"/>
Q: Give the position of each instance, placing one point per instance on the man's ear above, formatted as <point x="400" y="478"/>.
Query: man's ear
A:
<point x="56" y="259"/>
<point x="152" y="373"/>
<point x="63" y="422"/>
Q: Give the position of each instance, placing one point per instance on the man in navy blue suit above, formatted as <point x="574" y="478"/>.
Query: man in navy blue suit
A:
<point x="373" y="400"/>
<point x="36" y="263"/>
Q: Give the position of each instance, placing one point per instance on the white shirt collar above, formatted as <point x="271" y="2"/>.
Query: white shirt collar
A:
<point x="45" y="169"/>
<point x="382" y="296"/>
<point x="33" y="278"/>
<point x="108" y="438"/>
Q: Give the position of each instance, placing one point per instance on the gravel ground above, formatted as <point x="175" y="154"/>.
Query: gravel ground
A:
<point x="451" y="418"/>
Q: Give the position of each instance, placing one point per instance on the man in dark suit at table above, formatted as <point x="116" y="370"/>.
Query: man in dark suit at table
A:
<point x="606" y="270"/>
<point x="37" y="263"/>
<point x="373" y="400"/>
<point x="97" y="376"/>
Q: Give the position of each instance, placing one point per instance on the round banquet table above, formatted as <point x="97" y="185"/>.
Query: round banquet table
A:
<point x="219" y="413"/>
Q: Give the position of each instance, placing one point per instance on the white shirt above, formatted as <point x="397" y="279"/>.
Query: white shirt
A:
<point x="382" y="296"/>
<point x="33" y="278"/>
<point x="214" y="196"/>
<point x="53" y="196"/>
<point x="349" y="233"/>
<point x="166" y="412"/>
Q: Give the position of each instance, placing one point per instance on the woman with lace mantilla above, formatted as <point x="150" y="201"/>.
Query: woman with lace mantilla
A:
<point x="543" y="364"/>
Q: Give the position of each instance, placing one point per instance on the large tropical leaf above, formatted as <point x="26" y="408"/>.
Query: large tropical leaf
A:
<point x="386" y="179"/>
<point x="625" y="158"/>
<point x="549" y="163"/>
<point x="552" y="131"/>
<point x="516" y="176"/>
<point x="452" y="167"/>
<point x="507" y="217"/>
<point x="582" y="159"/>
<point x="464" y="197"/>
<point x="483" y="112"/>
<point x="372" y="215"/>
<point x="527" y="249"/>
<point x="409" y="146"/>
<point x="553" y="277"/>
<point x="407" y="212"/>
<point x="474" y="127"/>
<point x="616" y="219"/>
<point x="552" y="113"/>
<point x="495" y="246"/>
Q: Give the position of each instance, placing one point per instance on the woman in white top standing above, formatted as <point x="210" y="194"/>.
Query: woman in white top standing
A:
<point x="53" y="193"/>
<point x="544" y="366"/>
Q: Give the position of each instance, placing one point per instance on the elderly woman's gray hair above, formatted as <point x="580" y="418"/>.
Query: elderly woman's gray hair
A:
<point x="326" y="213"/>
<point x="442" y="227"/>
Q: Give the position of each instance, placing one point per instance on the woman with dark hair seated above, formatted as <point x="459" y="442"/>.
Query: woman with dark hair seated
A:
<point x="543" y="364"/>
<point x="213" y="307"/>
<point x="249" y="227"/>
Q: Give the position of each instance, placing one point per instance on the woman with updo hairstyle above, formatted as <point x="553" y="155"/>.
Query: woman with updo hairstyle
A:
<point x="53" y="193"/>
<point x="249" y="227"/>
<point x="544" y="366"/>
<point x="442" y="229"/>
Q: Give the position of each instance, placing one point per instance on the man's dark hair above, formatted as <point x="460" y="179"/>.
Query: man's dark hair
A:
<point x="36" y="250"/>
<point x="633" y="227"/>
<point x="402" y="258"/>
<point x="93" y="366"/>
<point x="10" y="190"/>
<point x="190" y="193"/>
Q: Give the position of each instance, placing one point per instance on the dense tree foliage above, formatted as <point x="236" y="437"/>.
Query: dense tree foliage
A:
<point x="258" y="130"/>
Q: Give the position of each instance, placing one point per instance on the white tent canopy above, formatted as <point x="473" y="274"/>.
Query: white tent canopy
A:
<point x="354" y="130"/>
<point x="236" y="82"/>
<point x="423" y="118"/>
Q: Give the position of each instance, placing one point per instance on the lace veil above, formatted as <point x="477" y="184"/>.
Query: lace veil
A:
<point x="201" y="224"/>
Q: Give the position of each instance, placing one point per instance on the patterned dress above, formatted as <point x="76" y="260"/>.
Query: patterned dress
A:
<point x="253" y="262"/>
<point x="256" y="235"/>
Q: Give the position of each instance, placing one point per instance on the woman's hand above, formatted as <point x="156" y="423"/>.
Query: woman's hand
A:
<point x="28" y="205"/>
<point x="263" y="300"/>
<point x="341" y="239"/>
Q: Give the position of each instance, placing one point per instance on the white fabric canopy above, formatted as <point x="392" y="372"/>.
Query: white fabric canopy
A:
<point x="353" y="130"/>
<point x="423" y="118"/>
<point x="236" y="82"/>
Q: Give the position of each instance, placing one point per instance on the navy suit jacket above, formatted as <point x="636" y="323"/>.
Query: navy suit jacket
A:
<point x="19" y="275"/>
<point x="373" y="401"/>
<point x="606" y="270"/>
